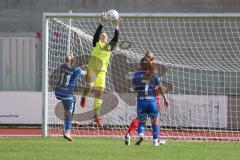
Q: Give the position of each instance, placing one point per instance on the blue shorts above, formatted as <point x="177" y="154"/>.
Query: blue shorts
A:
<point x="147" y="108"/>
<point x="68" y="103"/>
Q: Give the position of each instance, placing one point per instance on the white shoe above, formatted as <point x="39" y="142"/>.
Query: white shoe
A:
<point x="67" y="137"/>
<point x="155" y="142"/>
<point x="127" y="139"/>
<point x="162" y="141"/>
<point x="139" y="141"/>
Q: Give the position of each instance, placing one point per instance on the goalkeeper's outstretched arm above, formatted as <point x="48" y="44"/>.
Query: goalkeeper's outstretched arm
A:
<point x="97" y="34"/>
<point x="114" y="41"/>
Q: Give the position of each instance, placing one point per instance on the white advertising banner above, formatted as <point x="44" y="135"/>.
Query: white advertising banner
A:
<point x="184" y="111"/>
<point x="20" y="107"/>
<point x="196" y="111"/>
<point x="117" y="109"/>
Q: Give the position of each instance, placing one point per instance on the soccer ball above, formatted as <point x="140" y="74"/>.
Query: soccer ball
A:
<point x="112" y="14"/>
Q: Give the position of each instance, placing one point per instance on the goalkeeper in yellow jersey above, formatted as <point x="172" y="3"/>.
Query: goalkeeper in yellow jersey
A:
<point x="98" y="65"/>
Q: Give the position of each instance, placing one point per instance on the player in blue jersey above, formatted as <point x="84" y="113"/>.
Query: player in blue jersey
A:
<point x="134" y="124"/>
<point x="69" y="74"/>
<point x="147" y="83"/>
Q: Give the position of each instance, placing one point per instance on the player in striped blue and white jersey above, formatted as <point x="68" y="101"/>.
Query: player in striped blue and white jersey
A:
<point x="69" y="75"/>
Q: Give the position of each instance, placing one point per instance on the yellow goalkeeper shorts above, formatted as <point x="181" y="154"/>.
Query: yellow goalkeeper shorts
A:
<point x="97" y="77"/>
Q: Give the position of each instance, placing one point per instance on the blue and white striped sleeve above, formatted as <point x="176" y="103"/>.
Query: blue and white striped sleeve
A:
<point x="81" y="72"/>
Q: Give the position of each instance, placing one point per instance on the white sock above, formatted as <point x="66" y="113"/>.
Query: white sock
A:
<point x="67" y="132"/>
<point x="141" y="135"/>
<point x="155" y="141"/>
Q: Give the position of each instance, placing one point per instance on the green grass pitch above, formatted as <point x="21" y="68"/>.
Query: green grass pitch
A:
<point x="55" y="148"/>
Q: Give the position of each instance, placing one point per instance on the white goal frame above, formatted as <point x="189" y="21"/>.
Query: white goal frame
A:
<point x="45" y="46"/>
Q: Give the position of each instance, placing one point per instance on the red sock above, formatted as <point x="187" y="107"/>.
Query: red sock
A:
<point x="133" y="126"/>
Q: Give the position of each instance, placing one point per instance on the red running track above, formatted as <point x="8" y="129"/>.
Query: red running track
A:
<point x="169" y="134"/>
<point x="14" y="132"/>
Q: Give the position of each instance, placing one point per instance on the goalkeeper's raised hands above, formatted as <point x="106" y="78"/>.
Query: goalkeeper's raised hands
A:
<point x="117" y="22"/>
<point x="104" y="17"/>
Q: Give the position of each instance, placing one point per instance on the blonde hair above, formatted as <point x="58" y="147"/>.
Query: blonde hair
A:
<point x="69" y="57"/>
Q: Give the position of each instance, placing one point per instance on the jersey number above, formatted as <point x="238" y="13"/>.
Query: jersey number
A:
<point x="146" y="88"/>
<point x="65" y="78"/>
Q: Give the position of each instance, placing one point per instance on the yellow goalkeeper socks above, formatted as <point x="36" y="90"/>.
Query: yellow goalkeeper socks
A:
<point x="86" y="91"/>
<point x="97" y="106"/>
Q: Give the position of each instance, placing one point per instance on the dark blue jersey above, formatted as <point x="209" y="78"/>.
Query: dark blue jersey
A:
<point x="68" y="81"/>
<point x="145" y="87"/>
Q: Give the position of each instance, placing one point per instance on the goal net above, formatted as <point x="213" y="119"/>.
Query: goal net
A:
<point x="198" y="60"/>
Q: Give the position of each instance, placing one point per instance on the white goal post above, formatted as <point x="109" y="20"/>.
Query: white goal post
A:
<point x="198" y="58"/>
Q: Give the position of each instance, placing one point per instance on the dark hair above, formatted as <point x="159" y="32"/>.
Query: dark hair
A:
<point x="147" y="65"/>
